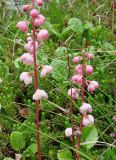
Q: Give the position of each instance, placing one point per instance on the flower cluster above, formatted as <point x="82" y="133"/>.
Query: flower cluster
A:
<point x="77" y="79"/>
<point x="35" y="39"/>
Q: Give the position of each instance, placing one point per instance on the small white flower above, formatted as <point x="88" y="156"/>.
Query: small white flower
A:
<point x="40" y="94"/>
<point x="46" y="70"/>
<point x="88" y="120"/>
<point x="26" y="77"/>
<point x="68" y="132"/>
<point x="86" y="107"/>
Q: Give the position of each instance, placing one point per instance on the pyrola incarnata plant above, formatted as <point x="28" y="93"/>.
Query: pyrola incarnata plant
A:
<point x="79" y="79"/>
<point x="34" y="39"/>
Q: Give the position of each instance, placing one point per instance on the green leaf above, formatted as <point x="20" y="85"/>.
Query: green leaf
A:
<point x="61" y="51"/>
<point x="64" y="155"/>
<point x="89" y="136"/>
<point x="54" y="30"/>
<point x="59" y="72"/>
<point x="76" y="25"/>
<point x="17" y="140"/>
<point x="33" y="148"/>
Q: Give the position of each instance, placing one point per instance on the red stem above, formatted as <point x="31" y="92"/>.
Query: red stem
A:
<point x="35" y="88"/>
<point x="71" y="107"/>
<point x="83" y="99"/>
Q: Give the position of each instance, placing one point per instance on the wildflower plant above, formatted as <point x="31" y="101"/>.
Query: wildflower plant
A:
<point x="35" y="38"/>
<point x="82" y="69"/>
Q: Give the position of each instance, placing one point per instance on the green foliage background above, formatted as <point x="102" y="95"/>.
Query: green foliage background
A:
<point x="67" y="35"/>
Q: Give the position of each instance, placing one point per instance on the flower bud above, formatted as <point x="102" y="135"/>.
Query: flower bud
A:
<point x="78" y="69"/>
<point x="90" y="56"/>
<point x="89" y="69"/>
<point x="76" y="59"/>
<point x="22" y="26"/>
<point x="34" y="13"/>
<point x="39" y="2"/>
<point x="68" y="132"/>
<point x="26" y="8"/>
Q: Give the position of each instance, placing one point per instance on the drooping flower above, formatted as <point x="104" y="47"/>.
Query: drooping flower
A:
<point x="39" y="95"/>
<point x="68" y="132"/>
<point x="74" y="93"/>
<point x="39" y="2"/>
<point x="78" y="69"/>
<point x="26" y="78"/>
<point x="89" y="69"/>
<point x="76" y="79"/>
<point x="34" y="13"/>
<point x="39" y="20"/>
<point x="42" y="35"/>
<point x="46" y="70"/>
<point x="90" y="56"/>
<point x="30" y="46"/>
<point x="76" y="59"/>
<point x="85" y="108"/>
<point x="27" y="59"/>
<point x="92" y="86"/>
<point x="22" y="25"/>
<point x="88" y="120"/>
<point x="26" y="8"/>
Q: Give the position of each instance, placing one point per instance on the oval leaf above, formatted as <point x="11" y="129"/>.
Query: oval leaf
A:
<point x="64" y="155"/>
<point x="89" y="136"/>
<point x="17" y="140"/>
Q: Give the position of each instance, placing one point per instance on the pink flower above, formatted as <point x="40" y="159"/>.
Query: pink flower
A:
<point x="27" y="59"/>
<point x="68" y="132"/>
<point x="39" y="2"/>
<point x="30" y="46"/>
<point x="46" y="70"/>
<point x="34" y="13"/>
<point x="42" y="35"/>
<point x="22" y="25"/>
<point x="88" y="120"/>
<point x="39" y="20"/>
<point x="26" y="8"/>
<point x="93" y="85"/>
<point x="39" y="95"/>
<point x="76" y="79"/>
<point x="76" y="59"/>
<point x="74" y="93"/>
<point x="91" y="88"/>
<point x="89" y="69"/>
<point x="26" y="77"/>
<point x="85" y="108"/>
<point x="90" y="56"/>
<point x="78" y="69"/>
